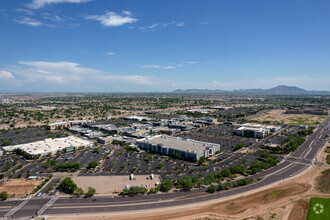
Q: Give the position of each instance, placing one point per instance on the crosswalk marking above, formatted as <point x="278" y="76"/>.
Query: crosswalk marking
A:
<point x="49" y="204"/>
<point x="15" y="209"/>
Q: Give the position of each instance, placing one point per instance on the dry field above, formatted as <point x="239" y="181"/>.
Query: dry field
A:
<point x="110" y="184"/>
<point x="19" y="186"/>
<point x="297" y="119"/>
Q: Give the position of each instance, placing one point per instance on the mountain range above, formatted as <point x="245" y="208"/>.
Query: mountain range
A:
<point x="278" y="90"/>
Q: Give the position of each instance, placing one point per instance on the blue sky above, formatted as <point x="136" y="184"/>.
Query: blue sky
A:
<point x="163" y="45"/>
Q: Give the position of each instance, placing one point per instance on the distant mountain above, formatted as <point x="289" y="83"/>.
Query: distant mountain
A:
<point x="278" y="90"/>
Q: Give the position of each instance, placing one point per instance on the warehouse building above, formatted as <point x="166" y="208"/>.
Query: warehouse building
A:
<point x="50" y="145"/>
<point x="187" y="148"/>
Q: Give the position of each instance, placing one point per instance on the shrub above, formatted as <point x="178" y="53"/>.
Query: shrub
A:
<point x="90" y="192"/>
<point x="92" y="164"/>
<point x="212" y="189"/>
<point x="4" y="195"/>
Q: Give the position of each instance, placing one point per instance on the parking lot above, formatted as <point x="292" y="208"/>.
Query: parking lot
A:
<point x="27" y="135"/>
<point x="219" y="134"/>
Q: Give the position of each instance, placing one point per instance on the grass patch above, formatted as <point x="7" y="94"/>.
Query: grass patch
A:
<point x="271" y="195"/>
<point x="323" y="182"/>
<point x="319" y="208"/>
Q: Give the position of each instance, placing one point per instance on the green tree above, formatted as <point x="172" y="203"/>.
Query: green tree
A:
<point x="188" y="184"/>
<point x="201" y="160"/>
<point x="79" y="191"/>
<point x="90" y="192"/>
<point x="225" y="172"/>
<point x="92" y="164"/>
<point x="212" y="189"/>
<point x="166" y="186"/>
<point x="6" y="143"/>
<point x="68" y="186"/>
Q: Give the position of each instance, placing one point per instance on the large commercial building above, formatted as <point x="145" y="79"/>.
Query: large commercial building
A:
<point x="256" y="130"/>
<point x="67" y="124"/>
<point x="50" y="145"/>
<point x="252" y="132"/>
<point x="187" y="148"/>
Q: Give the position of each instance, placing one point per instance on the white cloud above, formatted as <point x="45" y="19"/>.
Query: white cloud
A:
<point x="57" y="79"/>
<point x="204" y="23"/>
<point x="110" y="53"/>
<point x="26" y="11"/>
<point x="69" y="76"/>
<point x="43" y="71"/>
<point x="180" y="24"/>
<point x="153" y="26"/>
<point x="169" y="67"/>
<point x="112" y="19"/>
<point x="29" y="21"/>
<point x="36" y="4"/>
<point x="181" y="64"/>
<point x="51" y="17"/>
<point x="127" y="13"/>
<point x="152" y="66"/>
<point x="6" y="75"/>
<point x="188" y="62"/>
<point x="162" y="25"/>
<point x="136" y="79"/>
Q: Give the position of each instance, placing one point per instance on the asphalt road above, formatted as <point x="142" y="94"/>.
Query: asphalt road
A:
<point x="293" y="164"/>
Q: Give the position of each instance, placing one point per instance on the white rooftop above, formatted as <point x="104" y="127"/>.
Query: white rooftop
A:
<point x="179" y="143"/>
<point x="50" y="145"/>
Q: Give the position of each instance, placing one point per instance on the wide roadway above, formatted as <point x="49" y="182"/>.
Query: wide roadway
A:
<point x="297" y="162"/>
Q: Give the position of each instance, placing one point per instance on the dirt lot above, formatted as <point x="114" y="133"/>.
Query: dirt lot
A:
<point x="298" y="119"/>
<point x="110" y="184"/>
<point x="19" y="186"/>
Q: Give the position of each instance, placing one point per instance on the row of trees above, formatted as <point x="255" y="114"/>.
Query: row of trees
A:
<point x="42" y="184"/>
<point x="185" y="184"/>
<point x="229" y="184"/>
<point x="67" y="166"/>
<point x="134" y="190"/>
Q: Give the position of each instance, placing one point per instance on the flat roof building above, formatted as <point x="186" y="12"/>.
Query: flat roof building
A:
<point x="187" y="148"/>
<point x="252" y="132"/>
<point x="67" y="124"/>
<point x="50" y="145"/>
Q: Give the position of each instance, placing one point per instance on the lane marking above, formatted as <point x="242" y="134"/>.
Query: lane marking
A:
<point x="48" y="204"/>
<point x="16" y="208"/>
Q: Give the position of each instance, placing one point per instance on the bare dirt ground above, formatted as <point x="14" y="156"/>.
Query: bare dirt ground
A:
<point x="110" y="184"/>
<point x="285" y="200"/>
<point x="19" y="186"/>
<point x="299" y="119"/>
